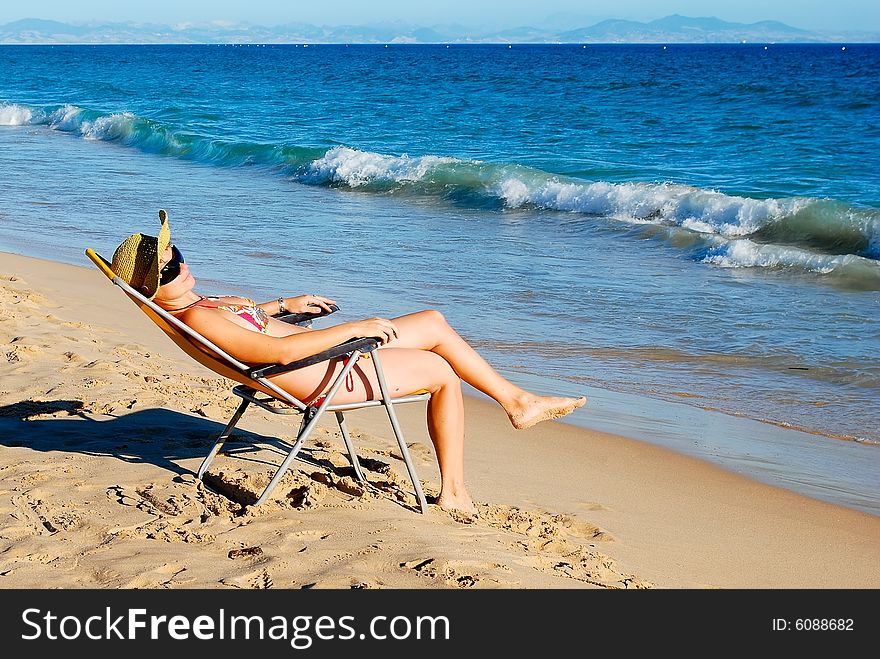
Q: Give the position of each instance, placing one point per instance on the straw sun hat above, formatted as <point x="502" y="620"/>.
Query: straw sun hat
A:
<point x="136" y="261"/>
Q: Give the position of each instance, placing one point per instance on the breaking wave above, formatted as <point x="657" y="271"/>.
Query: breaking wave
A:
<point x="821" y="236"/>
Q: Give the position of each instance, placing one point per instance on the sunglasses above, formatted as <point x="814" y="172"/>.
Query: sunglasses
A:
<point x="171" y="270"/>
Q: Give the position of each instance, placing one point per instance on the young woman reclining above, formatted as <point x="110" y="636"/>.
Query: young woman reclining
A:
<point x="419" y="351"/>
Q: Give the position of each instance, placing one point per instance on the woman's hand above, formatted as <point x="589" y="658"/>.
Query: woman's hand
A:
<point x="380" y="328"/>
<point x="308" y="304"/>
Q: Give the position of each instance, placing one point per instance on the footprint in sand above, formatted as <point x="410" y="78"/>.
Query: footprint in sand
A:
<point x="592" y="505"/>
<point x="560" y="545"/>
<point x="91" y="383"/>
<point x="162" y="576"/>
<point x="26" y="299"/>
<point x="416" y="450"/>
<point x="242" y="489"/>
<point x="345" y="484"/>
<point x="308" y="534"/>
<point x="454" y="574"/>
<point x="377" y="466"/>
<point x="28" y="510"/>
<point x="259" y="580"/>
<point x="55" y="519"/>
<point x="583" y="565"/>
<point x="540" y="524"/>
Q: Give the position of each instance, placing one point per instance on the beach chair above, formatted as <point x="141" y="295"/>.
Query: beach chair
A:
<point x="255" y="387"/>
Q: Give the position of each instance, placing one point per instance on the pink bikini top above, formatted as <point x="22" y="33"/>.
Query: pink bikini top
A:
<point x="255" y="315"/>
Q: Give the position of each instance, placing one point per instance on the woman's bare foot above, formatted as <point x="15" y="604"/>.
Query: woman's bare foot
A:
<point x="532" y="409"/>
<point x="461" y="504"/>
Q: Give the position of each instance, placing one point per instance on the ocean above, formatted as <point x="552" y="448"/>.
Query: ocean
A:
<point x="688" y="234"/>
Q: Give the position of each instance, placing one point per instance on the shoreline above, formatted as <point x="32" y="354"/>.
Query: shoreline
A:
<point x="98" y="493"/>
<point x="637" y="402"/>
<point x="800" y="459"/>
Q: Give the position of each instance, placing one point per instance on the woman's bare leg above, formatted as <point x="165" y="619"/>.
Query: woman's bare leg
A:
<point x="406" y="371"/>
<point x="428" y="330"/>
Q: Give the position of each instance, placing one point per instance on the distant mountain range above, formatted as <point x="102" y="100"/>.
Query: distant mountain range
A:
<point x="671" y="29"/>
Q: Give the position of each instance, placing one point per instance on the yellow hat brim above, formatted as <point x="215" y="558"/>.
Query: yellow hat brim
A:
<point x="136" y="260"/>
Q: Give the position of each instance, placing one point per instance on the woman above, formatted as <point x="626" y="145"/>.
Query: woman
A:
<point x="419" y="351"/>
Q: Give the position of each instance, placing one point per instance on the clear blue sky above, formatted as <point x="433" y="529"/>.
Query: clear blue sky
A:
<point x="492" y="14"/>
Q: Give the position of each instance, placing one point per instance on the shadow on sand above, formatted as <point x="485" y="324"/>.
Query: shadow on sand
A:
<point x="157" y="436"/>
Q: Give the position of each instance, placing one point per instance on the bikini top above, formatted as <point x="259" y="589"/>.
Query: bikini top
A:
<point x="255" y="315"/>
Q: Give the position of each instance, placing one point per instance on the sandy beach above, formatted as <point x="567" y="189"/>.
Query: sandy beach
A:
<point x="103" y="422"/>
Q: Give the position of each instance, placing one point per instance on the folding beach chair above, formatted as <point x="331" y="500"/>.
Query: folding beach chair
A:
<point x="255" y="387"/>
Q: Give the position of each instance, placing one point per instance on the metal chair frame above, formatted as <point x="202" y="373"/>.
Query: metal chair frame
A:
<point x="254" y="380"/>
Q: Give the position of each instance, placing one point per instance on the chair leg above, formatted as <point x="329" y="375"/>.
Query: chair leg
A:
<point x="355" y="463"/>
<point x="222" y="438"/>
<point x="307" y="430"/>
<point x="398" y="433"/>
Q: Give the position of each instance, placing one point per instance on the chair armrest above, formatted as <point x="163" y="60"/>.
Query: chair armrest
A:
<point x="364" y="345"/>
<point x="300" y="318"/>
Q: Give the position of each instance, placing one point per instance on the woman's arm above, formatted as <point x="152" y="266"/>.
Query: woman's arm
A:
<point x="257" y="348"/>
<point x="298" y="304"/>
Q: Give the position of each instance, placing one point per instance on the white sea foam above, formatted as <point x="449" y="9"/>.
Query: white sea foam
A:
<point x="704" y="211"/>
<point x="795" y="220"/>
<point x="15" y="115"/>
<point x="67" y="118"/>
<point x="110" y="127"/>
<point x="356" y="168"/>
<point x="745" y="253"/>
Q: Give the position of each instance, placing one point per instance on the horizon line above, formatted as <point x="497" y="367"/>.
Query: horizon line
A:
<point x="387" y="44"/>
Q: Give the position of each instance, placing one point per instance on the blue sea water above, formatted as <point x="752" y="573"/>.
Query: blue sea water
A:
<point x="690" y="234"/>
